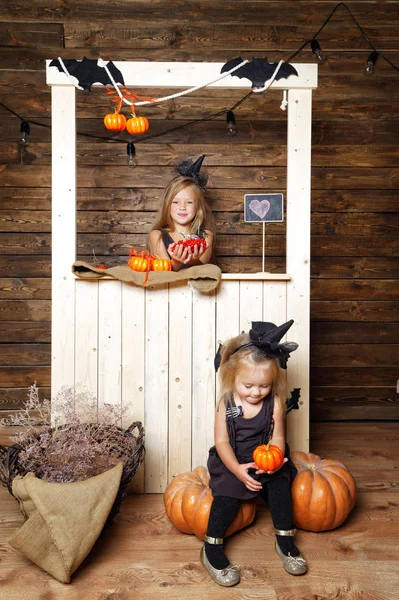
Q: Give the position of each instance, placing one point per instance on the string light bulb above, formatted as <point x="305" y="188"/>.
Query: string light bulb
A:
<point x="314" y="44"/>
<point x="231" y="123"/>
<point x="372" y="59"/>
<point x="131" y="155"/>
<point x="24" y="131"/>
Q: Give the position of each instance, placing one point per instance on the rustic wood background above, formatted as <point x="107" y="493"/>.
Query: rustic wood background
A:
<point x="355" y="174"/>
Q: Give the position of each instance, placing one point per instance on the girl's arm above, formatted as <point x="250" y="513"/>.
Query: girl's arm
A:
<point x="226" y="452"/>
<point x="156" y="244"/>
<point x="207" y="255"/>
<point x="278" y="438"/>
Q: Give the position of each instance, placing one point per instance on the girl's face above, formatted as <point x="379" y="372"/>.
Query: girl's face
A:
<point x="253" y="383"/>
<point x="183" y="207"/>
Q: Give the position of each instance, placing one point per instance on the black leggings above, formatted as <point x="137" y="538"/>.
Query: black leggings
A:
<point x="276" y="493"/>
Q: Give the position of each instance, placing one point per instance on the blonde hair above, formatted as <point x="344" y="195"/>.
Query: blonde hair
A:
<point x="231" y="362"/>
<point x="203" y="217"/>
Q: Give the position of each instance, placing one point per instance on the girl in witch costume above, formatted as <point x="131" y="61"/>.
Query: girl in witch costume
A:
<point x="250" y="412"/>
<point x="184" y="217"/>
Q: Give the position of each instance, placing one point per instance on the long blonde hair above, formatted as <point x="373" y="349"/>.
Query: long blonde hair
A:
<point x="232" y="361"/>
<point x="203" y="217"/>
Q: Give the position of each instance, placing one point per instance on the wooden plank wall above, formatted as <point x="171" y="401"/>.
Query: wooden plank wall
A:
<point x="355" y="175"/>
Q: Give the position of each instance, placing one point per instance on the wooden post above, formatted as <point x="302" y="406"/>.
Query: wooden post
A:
<point x="298" y="258"/>
<point x="63" y="238"/>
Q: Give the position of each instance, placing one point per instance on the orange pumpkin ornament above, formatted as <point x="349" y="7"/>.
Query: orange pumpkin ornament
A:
<point x="268" y="457"/>
<point x="161" y="264"/>
<point x="188" y="499"/>
<point x="323" y="492"/>
<point x="115" y="121"/>
<point x="140" y="261"/>
<point x="137" y="125"/>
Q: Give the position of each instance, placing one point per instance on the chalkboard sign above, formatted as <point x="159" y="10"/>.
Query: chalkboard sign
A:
<point x="265" y="208"/>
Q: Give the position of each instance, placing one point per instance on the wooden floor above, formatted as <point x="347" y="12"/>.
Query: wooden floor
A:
<point x="144" y="557"/>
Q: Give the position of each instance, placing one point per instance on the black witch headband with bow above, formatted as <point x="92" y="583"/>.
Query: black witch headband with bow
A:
<point x="266" y="337"/>
<point x="187" y="168"/>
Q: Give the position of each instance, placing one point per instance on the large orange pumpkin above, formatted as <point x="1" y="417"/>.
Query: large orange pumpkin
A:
<point x="188" y="500"/>
<point x="323" y="492"/>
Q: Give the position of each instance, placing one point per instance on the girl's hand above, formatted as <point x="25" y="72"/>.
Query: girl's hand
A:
<point x="194" y="254"/>
<point x="260" y="471"/>
<point x="241" y="472"/>
<point x="179" y="254"/>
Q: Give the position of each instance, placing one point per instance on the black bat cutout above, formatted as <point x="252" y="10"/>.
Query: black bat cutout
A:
<point x="292" y="403"/>
<point x="87" y="71"/>
<point x="258" y="70"/>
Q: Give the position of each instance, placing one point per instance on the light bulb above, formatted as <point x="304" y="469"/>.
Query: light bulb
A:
<point x="314" y="44"/>
<point x="131" y="155"/>
<point x="231" y="123"/>
<point x="24" y="131"/>
<point x="369" y="66"/>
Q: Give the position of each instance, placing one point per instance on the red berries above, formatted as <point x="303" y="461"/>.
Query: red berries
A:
<point x="190" y="243"/>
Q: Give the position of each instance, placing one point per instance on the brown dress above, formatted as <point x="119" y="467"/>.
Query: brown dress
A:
<point x="244" y="436"/>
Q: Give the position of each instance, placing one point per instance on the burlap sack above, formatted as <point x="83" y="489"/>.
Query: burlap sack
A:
<point x="203" y="278"/>
<point x="63" y="519"/>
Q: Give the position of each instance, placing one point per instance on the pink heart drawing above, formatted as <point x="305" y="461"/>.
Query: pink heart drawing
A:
<point x="260" y="208"/>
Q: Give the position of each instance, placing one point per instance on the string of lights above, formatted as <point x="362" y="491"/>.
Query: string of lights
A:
<point x="229" y="112"/>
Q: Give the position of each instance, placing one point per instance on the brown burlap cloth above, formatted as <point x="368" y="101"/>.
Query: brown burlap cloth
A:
<point x="63" y="519"/>
<point x="203" y="278"/>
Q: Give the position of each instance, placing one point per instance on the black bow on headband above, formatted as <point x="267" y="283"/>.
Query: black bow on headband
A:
<point x="188" y="169"/>
<point x="266" y="337"/>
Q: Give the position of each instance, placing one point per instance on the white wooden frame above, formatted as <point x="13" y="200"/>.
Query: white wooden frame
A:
<point x="105" y="349"/>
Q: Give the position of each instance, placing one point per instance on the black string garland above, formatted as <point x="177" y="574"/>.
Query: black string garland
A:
<point x="230" y="118"/>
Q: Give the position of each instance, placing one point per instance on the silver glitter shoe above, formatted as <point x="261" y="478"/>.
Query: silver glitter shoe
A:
<point x="226" y="577"/>
<point x="294" y="565"/>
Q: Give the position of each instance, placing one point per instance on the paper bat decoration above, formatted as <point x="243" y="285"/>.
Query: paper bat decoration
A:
<point x="292" y="403"/>
<point x="258" y="71"/>
<point x="87" y="71"/>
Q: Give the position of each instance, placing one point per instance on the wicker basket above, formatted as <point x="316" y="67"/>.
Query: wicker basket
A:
<point x="10" y="467"/>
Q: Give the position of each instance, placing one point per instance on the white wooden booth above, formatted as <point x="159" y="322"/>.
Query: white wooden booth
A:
<point x="151" y="350"/>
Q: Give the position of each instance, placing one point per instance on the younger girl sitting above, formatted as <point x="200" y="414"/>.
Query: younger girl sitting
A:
<point x="250" y="412"/>
<point x="183" y="215"/>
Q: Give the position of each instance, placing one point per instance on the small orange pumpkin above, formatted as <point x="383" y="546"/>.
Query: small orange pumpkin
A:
<point x="268" y="457"/>
<point x="161" y="264"/>
<point x="115" y="122"/>
<point x="137" y="125"/>
<point x="188" y="499"/>
<point x="323" y="492"/>
<point x="139" y="263"/>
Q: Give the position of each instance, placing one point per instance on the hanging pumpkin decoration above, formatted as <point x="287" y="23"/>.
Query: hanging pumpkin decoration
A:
<point x="323" y="492"/>
<point x="188" y="500"/>
<point x="161" y="264"/>
<point x="115" y="121"/>
<point x="268" y="457"/>
<point x="136" y="125"/>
